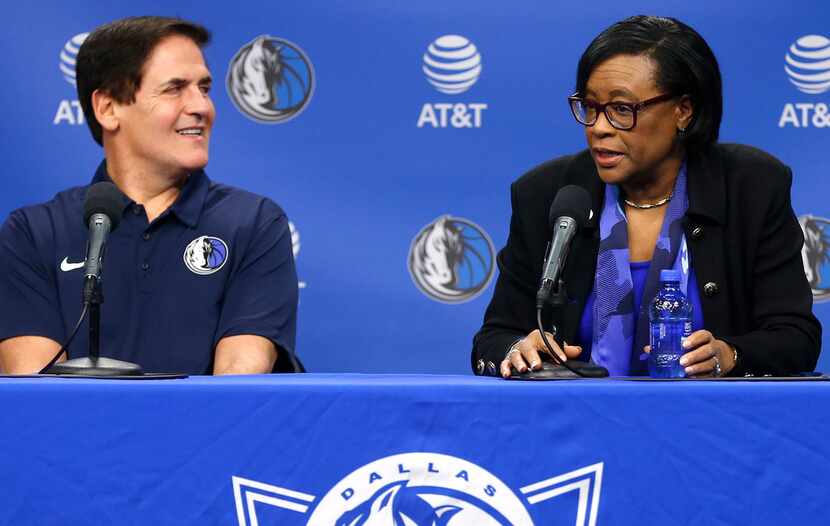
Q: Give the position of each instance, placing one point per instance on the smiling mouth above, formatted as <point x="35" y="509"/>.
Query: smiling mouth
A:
<point x="191" y="132"/>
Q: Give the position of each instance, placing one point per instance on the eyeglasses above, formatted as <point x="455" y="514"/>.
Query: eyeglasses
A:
<point x="621" y="115"/>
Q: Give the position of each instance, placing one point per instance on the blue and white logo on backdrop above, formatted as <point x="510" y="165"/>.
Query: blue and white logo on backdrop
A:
<point x="451" y="260"/>
<point x="69" y="54"/>
<point x="69" y="111"/>
<point x="807" y="64"/>
<point x="452" y="64"/>
<point x="816" y="255"/>
<point x="424" y="489"/>
<point x="205" y="255"/>
<point x="270" y="80"/>
<point x="295" y="248"/>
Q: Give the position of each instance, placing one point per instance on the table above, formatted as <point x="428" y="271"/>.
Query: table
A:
<point x="370" y="449"/>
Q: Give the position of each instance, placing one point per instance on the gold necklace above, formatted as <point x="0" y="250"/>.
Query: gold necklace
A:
<point x="659" y="203"/>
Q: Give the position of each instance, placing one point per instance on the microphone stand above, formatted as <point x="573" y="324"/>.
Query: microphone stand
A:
<point x="553" y="367"/>
<point x="94" y="364"/>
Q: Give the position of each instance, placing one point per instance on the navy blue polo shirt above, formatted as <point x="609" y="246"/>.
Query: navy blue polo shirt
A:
<point x="217" y="263"/>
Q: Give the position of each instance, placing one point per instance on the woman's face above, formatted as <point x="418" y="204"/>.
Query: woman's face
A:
<point x="646" y="151"/>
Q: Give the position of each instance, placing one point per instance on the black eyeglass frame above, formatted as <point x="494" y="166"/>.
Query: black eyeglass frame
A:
<point x="635" y="108"/>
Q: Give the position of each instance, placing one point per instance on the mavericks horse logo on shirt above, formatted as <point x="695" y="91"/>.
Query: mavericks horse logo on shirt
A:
<point x="205" y="255"/>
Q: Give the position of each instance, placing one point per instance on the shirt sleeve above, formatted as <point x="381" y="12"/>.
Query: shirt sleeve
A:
<point x="261" y="296"/>
<point x="511" y="312"/>
<point x="787" y="338"/>
<point x="29" y="305"/>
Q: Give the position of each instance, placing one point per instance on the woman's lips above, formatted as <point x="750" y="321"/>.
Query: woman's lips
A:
<point x="607" y="158"/>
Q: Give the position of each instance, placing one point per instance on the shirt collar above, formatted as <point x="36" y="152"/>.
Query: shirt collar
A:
<point x="187" y="207"/>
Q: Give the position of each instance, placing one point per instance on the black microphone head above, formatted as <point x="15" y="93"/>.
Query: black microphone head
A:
<point x="104" y="198"/>
<point x="571" y="201"/>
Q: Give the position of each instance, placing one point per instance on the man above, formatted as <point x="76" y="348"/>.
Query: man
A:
<point x="199" y="277"/>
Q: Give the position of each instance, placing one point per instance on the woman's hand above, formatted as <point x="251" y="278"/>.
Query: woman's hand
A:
<point x="703" y="351"/>
<point x="525" y="354"/>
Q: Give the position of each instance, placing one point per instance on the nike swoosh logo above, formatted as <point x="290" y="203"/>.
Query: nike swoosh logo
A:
<point x="66" y="266"/>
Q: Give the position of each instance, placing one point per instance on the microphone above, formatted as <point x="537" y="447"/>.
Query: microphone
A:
<point x="102" y="212"/>
<point x="568" y="213"/>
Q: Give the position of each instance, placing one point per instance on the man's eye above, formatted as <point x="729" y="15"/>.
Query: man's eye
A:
<point x="173" y="89"/>
<point x="205" y="89"/>
<point x="622" y="109"/>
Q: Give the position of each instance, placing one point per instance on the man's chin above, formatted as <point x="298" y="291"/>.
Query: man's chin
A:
<point x="194" y="164"/>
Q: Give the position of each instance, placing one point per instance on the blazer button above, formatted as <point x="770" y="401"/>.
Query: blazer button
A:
<point x="710" y="289"/>
<point x="697" y="232"/>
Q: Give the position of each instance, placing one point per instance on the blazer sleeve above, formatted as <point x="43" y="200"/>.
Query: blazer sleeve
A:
<point x="511" y="312"/>
<point x="788" y="335"/>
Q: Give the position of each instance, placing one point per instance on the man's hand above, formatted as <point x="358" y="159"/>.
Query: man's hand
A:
<point x="244" y="354"/>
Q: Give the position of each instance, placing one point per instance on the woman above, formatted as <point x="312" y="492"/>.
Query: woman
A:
<point x="664" y="195"/>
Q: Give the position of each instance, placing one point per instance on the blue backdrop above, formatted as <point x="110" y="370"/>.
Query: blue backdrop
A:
<point x="368" y="168"/>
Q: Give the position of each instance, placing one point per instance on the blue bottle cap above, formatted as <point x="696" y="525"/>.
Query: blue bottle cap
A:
<point x="669" y="275"/>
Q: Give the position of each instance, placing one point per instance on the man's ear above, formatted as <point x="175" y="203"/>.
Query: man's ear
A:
<point x="103" y="105"/>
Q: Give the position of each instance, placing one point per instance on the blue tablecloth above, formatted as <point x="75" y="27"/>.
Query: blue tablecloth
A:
<point x="383" y="450"/>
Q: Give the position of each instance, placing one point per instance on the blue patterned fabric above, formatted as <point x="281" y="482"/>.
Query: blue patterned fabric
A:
<point x="619" y="334"/>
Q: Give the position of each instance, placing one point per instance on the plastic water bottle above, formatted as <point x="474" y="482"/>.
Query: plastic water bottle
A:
<point x="670" y="322"/>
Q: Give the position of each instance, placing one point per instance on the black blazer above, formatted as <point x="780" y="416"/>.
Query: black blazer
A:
<point x="745" y="247"/>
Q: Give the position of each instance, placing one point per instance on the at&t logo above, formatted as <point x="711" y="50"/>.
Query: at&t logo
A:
<point x="69" y="111"/>
<point x="808" y="69"/>
<point x="452" y="65"/>
<point x="428" y="489"/>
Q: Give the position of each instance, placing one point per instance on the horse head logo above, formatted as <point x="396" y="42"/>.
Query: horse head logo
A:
<point x="270" y="80"/>
<point x="205" y="255"/>
<point x="451" y="260"/>
<point x="815" y="255"/>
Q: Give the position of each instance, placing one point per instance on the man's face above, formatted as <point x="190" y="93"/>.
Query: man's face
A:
<point x="167" y="128"/>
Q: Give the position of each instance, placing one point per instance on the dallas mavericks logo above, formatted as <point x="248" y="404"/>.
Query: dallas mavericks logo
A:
<point x="69" y="54"/>
<point x="808" y="64"/>
<point x="424" y="489"/>
<point x="816" y="255"/>
<point x="270" y="80"/>
<point x="205" y="255"/>
<point x="420" y="489"/>
<point x="452" y="64"/>
<point x="451" y="260"/>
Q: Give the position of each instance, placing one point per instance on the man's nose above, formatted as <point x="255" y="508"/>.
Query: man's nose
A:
<point x="198" y="102"/>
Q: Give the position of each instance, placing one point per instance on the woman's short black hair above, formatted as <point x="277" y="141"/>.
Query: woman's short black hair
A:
<point x="684" y="61"/>
<point x="112" y="58"/>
